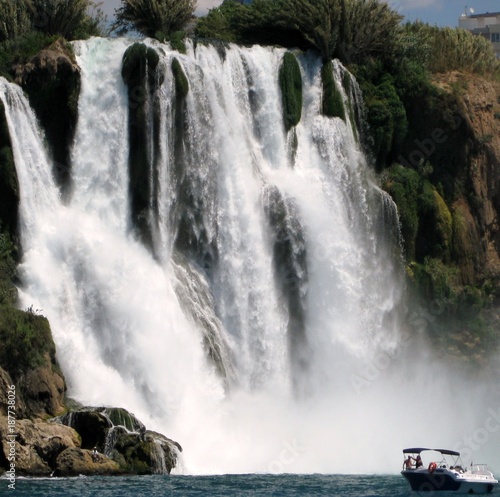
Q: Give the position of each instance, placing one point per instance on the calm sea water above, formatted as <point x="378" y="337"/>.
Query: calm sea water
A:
<point x="212" y="486"/>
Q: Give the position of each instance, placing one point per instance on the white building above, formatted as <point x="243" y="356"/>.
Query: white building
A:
<point x="487" y="25"/>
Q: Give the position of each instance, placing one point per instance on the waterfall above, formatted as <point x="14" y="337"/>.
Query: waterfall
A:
<point x="243" y="327"/>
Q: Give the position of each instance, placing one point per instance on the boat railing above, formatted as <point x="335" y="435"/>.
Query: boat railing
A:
<point x="480" y="469"/>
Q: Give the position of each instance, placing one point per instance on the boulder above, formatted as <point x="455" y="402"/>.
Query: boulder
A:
<point x="38" y="444"/>
<point x="76" y="461"/>
<point x="146" y="453"/>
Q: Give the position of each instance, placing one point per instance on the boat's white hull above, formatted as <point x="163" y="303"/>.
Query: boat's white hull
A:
<point x="443" y="480"/>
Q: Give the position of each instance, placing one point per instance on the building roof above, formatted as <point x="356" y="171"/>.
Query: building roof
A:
<point x="487" y="14"/>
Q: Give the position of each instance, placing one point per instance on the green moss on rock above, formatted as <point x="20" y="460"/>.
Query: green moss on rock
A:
<point x="181" y="81"/>
<point x="9" y="185"/>
<point x="290" y="80"/>
<point x="435" y="227"/>
<point x="403" y="185"/>
<point x="332" y="105"/>
<point x="140" y="74"/>
<point x="25" y="339"/>
<point x="52" y="81"/>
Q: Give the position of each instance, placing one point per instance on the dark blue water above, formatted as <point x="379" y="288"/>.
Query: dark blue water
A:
<point x="213" y="486"/>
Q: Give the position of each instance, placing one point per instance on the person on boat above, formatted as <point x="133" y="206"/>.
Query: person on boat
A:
<point x="408" y="464"/>
<point x="418" y="462"/>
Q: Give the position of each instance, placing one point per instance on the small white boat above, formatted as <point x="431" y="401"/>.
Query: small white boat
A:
<point x="445" y="472"/>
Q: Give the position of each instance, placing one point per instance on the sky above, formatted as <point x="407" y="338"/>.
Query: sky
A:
<point x="439" y="12"/>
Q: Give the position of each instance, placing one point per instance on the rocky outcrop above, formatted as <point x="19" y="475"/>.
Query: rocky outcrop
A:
<point x="28" y="355"/>
<point x="101" y="441"/>
<point x="43" y="389"/>
<point x="477" y="206"/>
<point x="52" y="81"/>
<point x="37" y="445"/>
<point x="119" y="435"/>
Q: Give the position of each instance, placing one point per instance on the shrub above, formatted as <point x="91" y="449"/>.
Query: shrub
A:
<point x="368" y="28"/>
<point x="291" y="90"/>
<point x="318" y="21"/>
<point x="151" y="17"/>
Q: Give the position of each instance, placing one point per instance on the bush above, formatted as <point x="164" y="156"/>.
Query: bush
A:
<point x="291" y="90"/>
<point x="151" y="17"/>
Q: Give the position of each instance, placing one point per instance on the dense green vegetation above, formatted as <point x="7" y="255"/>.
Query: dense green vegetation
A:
<point x="28" y="26"/>
<point x="161" y="19"/>
<point x="72" y="19"/>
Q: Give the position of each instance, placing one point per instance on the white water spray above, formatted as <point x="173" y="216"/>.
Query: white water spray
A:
<point x="127" y="326"/>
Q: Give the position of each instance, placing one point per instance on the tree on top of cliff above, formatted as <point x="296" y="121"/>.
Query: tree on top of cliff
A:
<point x="154" y="18"/>
<point x="72" y="19"/>
<point x="14" y="19"/>
<point x="348" y="29"/>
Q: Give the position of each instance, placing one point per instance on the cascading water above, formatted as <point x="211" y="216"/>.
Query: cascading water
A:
<point x="244" y="331"/>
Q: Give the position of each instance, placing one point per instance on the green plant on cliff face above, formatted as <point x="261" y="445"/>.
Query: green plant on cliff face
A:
<point x="435" y="230"/>
<point x="25" y="339"/>
<point x="151" y="17"/>
<point x="290" y="80"/>
<point x="403" y="185"/>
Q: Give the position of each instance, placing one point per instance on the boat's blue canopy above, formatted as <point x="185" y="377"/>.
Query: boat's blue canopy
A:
<point x="417" y="450"/>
